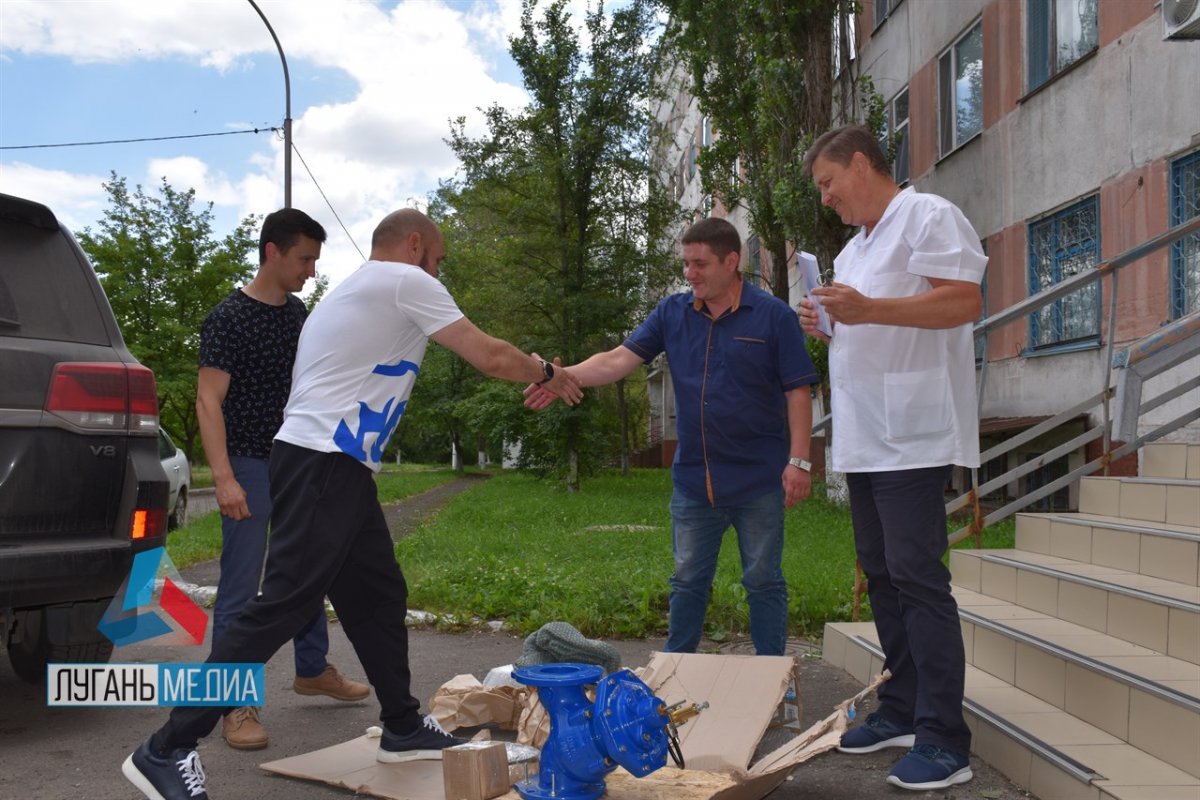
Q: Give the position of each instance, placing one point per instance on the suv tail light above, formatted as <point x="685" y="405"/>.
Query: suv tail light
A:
<point x="148" y="523"/>
<point x="104" y="396"/>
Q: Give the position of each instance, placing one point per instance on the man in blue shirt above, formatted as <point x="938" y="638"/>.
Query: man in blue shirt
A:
<point x="744" y="414"/>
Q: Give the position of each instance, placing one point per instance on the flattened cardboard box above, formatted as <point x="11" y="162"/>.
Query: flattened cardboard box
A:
<point x="743" y="693"/>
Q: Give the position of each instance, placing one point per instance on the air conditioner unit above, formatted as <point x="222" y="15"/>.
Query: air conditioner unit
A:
<point x="1181" y="19"/>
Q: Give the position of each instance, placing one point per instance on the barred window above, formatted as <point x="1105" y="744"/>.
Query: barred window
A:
<point x="1060" y="247"/>
<point x="1185" y="253"/>
<point x="1059" y="33"/>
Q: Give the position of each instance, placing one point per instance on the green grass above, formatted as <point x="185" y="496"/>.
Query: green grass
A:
<point x="528" y="552"/>
<point x="520" y="550"/>
<point x="398" y="481"/>
<point x="201" y="476"/>
<point x="200" y="539"/>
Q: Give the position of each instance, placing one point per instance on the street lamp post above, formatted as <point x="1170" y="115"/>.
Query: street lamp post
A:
<point x="287" y="114"/>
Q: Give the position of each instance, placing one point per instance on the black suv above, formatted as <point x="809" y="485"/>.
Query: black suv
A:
<point x="81" y="485"/>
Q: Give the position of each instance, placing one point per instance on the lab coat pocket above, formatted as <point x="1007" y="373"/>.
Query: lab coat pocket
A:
<point x="917" y="403"/>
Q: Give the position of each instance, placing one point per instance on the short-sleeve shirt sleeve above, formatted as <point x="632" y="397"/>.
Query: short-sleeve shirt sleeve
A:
<point x="647" y="339"/>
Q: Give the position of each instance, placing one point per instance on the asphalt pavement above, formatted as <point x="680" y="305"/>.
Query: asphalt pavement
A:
<point x="76" y="753"/>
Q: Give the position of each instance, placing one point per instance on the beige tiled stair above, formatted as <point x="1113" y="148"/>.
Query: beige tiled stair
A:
<point x="1083" y="642"/>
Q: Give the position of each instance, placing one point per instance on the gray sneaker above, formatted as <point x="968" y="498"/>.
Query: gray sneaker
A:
<point x="426" y="742"/>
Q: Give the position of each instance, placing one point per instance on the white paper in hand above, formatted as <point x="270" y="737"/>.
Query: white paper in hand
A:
<point x="807" y="264"/>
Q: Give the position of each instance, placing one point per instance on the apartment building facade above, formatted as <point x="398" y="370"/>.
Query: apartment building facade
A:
<point x="1068" y="131"/>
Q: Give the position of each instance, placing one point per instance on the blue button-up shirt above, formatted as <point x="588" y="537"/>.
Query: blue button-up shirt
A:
<point x="730" y="376"/>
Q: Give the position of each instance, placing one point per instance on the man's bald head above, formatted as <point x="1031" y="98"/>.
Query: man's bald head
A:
<point x="409" y="237"/>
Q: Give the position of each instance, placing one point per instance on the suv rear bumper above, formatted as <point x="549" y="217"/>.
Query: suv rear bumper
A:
<point x="34" y="575"/>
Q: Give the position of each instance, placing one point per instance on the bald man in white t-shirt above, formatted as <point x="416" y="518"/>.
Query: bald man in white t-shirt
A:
<point x="902" y="371"/>
<point x="356" y="362"/>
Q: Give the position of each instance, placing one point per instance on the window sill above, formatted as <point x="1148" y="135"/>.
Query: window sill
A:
<point x="1059" y="349"/>
<point x="974" y="138"/>
<point x="1056" y="76"/>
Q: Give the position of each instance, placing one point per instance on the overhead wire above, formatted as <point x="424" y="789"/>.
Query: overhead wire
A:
<point x="201" y="136"/>
<point x="326" y="199"/>
<point x="132" y="141"/>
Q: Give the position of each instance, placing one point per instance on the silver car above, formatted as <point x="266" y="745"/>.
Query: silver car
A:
<point x="179" y="476"/>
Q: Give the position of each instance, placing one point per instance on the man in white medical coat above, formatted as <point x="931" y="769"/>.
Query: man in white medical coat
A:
<point x="902" y="370"/>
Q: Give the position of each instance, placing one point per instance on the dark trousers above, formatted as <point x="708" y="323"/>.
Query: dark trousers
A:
<point x="329" y="537"/>
<point x="900" y="536"/>
<point x="243" y="551"/>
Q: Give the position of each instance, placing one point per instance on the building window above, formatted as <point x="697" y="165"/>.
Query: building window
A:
<point x="960" y="90"/>
<point x="705" y="132"/>
<point x="844" y="46"/>
<point x="1185" y="253"/>
<point x="1060" y="247"/>
<point x="897" y="122"/>
<point x="883" y="8"/>
<point x="1060" y="32"/>
<point x="753" y="270"/>
<point x="691" y="173"/>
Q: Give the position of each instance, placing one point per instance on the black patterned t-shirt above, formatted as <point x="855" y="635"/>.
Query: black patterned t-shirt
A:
<point x="255" y="343"/>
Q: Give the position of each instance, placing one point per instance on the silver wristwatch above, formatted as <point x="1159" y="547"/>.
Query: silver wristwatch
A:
<point x="800" y="463"/>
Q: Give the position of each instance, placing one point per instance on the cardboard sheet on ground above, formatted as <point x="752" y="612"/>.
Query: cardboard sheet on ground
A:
<point x="743" y="692"/>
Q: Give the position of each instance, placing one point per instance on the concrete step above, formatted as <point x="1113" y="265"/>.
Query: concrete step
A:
<point x="1156" y="549"/>
<point x="1034" y="734"/>
<point x="1171" y="500"/>
<point x="1157" y="614"/>
<point x="1170" y="460"/>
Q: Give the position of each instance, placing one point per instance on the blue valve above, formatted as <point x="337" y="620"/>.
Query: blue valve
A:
<point x="626" y="725"/>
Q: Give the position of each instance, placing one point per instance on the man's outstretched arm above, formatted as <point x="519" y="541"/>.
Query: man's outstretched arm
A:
<point x="497" y="358"/>
<point x="599" y="370"/>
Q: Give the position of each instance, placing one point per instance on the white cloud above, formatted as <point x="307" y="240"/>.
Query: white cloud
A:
<point x="77" y="200"/>
<point x="415" y="64"/>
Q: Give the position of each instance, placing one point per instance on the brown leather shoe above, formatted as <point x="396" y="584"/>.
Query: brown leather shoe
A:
<point x="241" y="729"/>
<point x="332" y="683"/>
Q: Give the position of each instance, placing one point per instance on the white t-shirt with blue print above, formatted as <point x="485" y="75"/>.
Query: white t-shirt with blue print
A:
<point x="358" y="358"/>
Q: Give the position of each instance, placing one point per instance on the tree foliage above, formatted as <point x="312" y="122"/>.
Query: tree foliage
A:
<point x="553" y="224"/>
<point x="164" y="270"/>
<point x="761" y="71"/>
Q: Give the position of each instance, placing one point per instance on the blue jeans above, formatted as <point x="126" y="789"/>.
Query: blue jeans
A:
<point x="900" y="535"/>
<point x="696" y="533"/>
<point x="243" y="549"/>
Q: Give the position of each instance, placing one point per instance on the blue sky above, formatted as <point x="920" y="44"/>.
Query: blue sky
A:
<point x="373" y="85"/>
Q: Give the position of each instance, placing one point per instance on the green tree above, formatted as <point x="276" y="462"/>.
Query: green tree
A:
<point x="554" y="220"/>
<point x="761" y="71"/>
<point x="164" y="270"/>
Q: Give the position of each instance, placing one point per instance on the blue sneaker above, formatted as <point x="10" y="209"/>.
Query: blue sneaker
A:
<point x="177" y="776"/>
<point x="928" y="766"/>
<point x="876" y="733"/>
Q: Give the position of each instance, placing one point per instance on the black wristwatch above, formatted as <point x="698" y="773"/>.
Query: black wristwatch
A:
<point x="547" y="372"/>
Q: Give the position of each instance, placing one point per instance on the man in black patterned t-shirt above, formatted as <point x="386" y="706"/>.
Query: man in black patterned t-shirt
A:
<point x="247" y="348"/>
